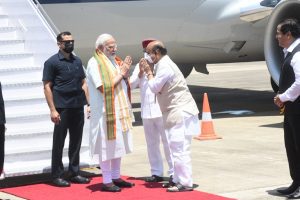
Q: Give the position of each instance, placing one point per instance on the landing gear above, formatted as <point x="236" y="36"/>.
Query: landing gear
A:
<point x="186" y="70"/>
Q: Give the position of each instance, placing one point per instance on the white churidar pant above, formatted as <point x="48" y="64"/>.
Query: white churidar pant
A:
<point x="111" y="169"/>
<point x="180" y="138"/>
<point x="154" y="133"/>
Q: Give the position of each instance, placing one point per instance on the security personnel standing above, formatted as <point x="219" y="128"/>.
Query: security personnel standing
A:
<point x="288" y="36"/>
<point x="66" y="93"/>
<point x="2" y="132"/>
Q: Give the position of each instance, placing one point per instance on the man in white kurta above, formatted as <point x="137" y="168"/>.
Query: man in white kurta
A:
<point x="153" y="125"/>
<point x="110" y="151"/>
<point x="180" y="112"/>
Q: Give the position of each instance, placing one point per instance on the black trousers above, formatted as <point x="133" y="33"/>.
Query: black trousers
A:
<point x="72" y="119"/>
<point x="2" y="140"/>
<point x="292" y="144"/>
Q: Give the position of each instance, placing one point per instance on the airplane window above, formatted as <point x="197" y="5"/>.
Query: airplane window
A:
<point x="269" y="3"/>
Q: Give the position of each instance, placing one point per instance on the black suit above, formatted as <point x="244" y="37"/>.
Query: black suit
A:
<point x="2" y="130"/>
<point x="291" y="118"/>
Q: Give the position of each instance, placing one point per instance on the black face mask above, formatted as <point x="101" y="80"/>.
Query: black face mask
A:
<point x="69" y="47"/>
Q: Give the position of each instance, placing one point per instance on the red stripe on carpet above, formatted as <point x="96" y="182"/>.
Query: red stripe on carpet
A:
<point x="141" y="191"/>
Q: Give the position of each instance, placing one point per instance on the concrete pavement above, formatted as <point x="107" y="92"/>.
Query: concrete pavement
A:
<point x="249" y="162"/>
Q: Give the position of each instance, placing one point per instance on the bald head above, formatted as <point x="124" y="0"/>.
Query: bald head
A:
<point x="157" y="47"/>
<point x="156" y="50"/>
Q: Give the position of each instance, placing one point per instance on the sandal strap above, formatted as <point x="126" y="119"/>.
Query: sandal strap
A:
<point x="179" y="188"/>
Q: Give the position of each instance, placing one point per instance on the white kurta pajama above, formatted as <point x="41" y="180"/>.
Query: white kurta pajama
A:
<point x="99" y="144"/>
<point x="153" y="125"/>
<point x="180" y="116"/>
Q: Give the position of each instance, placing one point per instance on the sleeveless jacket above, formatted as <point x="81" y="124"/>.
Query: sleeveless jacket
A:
<point x="287" y="78"/>
<point x="175" y="97"/>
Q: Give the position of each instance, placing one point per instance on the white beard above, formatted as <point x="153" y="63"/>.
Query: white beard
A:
<point x="108" y="55"/>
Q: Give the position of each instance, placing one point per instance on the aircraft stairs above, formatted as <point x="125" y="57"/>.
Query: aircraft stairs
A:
<point x="26" y="41"/>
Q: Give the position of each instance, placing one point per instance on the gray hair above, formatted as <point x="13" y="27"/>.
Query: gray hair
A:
<point x="102" y="39"/>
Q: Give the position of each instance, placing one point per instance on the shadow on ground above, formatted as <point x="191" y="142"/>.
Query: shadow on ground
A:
<point x="229" y="102"/>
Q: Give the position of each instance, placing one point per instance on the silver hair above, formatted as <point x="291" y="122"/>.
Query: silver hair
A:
<point x="102" y="39"/>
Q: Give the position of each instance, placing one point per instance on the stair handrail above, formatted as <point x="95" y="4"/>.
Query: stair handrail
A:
<point x="55" y="31"/>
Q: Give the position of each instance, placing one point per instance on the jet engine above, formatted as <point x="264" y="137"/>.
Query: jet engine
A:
<point x="273" y="53"/>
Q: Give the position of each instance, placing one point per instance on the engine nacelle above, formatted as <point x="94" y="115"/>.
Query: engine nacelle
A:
<point x="273" y="53"/>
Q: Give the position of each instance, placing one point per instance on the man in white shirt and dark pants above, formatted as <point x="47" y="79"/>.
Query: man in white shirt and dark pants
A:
<point x="179" y="110"/>
<point x="288" y="98"/>
<point x="153" y="124"/>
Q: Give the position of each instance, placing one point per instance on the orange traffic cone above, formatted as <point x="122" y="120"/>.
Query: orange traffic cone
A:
<point x="207" y="127"/>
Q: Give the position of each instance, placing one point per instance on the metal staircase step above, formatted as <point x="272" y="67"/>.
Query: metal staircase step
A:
<point x="2" y="11"/>
<point x="41" y="140"/>
<point x="29" y="167"/>
<point x="27" y="116"/>
<point x="12" y="1"/>
<point x="29" y="129"/>
<point x="27" y="106"/>
<point x="15" y="92"/>
<point x="38" y="160"/>
<point x="29" y="20"/>
<point x="19" y="68"/>
<point x="25" y="76"/>
<point x="13" y="59"/>
<point x="26" y="41"/>
<point x="3" y="20"/>
<point x="10" y="32"/>
<point x="16" y="46"/>
<point x="16" y="83"/>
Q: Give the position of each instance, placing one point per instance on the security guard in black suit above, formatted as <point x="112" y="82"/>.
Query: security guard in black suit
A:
<point x="2" y="130"/>
<point x="288" y="36"/>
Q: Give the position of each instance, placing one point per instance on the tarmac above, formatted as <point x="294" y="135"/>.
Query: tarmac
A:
<point x="249" y="162"/>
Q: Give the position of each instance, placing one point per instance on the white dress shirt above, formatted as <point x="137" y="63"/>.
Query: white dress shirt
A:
<point x="292" y="93"/>
<point x="149" y="105"/>
<point x="162" y="75"/>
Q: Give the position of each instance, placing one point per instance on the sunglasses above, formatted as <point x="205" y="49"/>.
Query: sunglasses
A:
<point x="67" y="41"/>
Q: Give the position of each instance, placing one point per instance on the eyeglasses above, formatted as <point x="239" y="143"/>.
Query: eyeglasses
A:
<point x="67" y="41"/>
<point x="111" y="47"/>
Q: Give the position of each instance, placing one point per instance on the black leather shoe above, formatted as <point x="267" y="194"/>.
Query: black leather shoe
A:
<point x="79" y="179"/>
<point x="123" y="184"/>
<point x="59" y="182"/>
<point x="290" y="190"/>
<point x="295" y="195"/>
<point x="112" y="188"/>
<point x="154" y="178"/>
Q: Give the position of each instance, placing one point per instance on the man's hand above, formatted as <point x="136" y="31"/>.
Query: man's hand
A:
<point x="145" y="66"/>
<point x="278" y="102"/>
<point x="124" y="68"/>
<point x="55" y="117"/>
<point x="141" y="69"/>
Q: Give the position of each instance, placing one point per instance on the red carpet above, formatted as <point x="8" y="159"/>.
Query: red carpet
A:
<point x="141" y="191"/>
